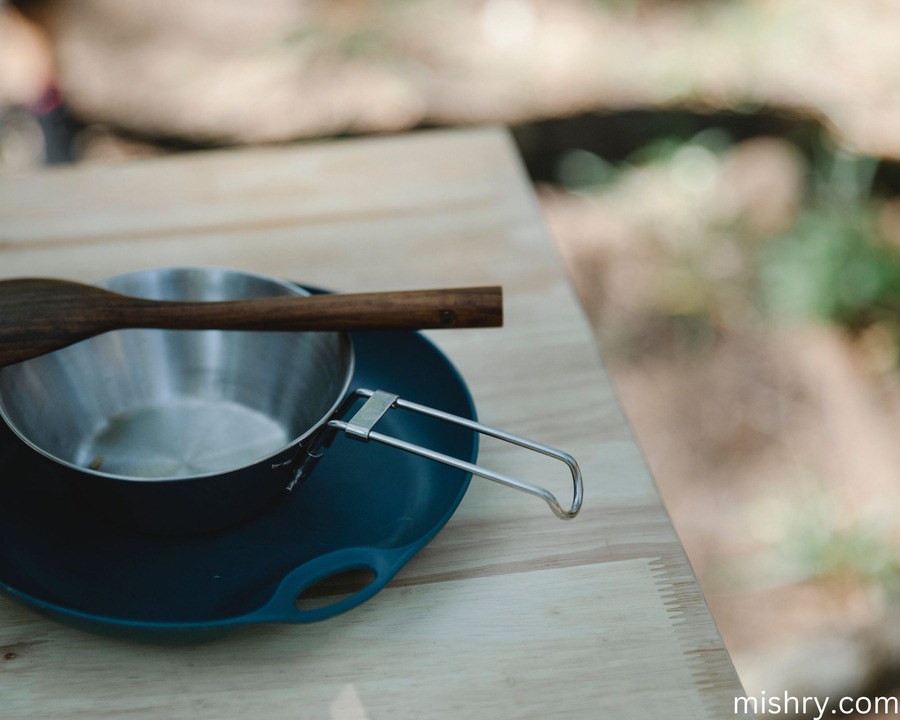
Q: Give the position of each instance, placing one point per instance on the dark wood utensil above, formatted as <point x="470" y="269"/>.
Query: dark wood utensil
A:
<point x="38" y="315"/>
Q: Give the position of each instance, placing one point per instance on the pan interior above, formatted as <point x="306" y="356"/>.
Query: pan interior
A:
<point x="162" y="441"/>
<point x="160" y="404"/>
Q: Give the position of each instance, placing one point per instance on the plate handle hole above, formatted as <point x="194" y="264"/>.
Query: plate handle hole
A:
<point x="334" y="588"/>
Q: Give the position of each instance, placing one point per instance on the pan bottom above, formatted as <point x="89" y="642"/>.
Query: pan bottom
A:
<point x="180" y="438"/>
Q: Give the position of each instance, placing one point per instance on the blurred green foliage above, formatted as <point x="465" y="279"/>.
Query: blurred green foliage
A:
<point x="835" y="264"/>
<point x="818" y="544"/>
<point x="581" y="170"/>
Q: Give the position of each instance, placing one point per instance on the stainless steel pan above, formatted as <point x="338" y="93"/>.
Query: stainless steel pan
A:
<point x="187" y="431"/>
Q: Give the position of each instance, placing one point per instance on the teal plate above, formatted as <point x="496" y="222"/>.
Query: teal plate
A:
<point x="366" y="508"/>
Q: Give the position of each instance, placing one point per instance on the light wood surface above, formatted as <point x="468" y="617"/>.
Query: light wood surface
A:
<point x="509" y="612"/>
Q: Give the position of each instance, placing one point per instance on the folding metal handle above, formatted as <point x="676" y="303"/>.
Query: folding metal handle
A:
<point x="360" y="427"/>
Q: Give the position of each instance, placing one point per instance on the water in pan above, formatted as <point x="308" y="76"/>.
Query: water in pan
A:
<point x="181" y="438"/>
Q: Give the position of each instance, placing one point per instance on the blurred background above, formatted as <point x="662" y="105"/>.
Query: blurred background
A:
<point x="721" y="177"/>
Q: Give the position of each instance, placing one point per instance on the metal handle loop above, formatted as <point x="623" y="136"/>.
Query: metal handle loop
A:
<point x="360" y="428"/>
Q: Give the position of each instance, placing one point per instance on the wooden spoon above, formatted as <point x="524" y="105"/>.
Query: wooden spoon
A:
<point x="39" y="315"/>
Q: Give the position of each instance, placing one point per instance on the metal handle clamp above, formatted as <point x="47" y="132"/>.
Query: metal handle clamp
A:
<point x="360" y="427"/>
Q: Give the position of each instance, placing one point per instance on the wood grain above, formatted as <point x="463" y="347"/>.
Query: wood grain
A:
<point x="39" y="315"/>
<point x="509" y="612"/>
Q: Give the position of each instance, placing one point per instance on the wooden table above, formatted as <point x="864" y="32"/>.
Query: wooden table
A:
<point x="509" y="612"/>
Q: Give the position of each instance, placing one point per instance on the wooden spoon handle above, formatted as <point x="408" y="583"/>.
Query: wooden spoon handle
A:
<point x="38" y="316"/>
<point x="402" y="310"/>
